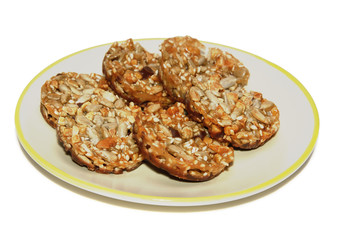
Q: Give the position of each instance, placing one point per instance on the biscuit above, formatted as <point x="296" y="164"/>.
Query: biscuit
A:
<point x="184" y="63"/>
<point x="133" y="73"/>
<point x="242" y="118"/>
<point x="100" y="135"/>
<point x="171" y="141"/>
<point x="62" y="94"/>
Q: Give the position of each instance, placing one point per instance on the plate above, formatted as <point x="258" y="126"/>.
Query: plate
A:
<point x="253" y="171"/>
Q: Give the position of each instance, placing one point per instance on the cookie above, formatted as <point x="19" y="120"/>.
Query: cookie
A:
<point x="171" y="141"/>
<point x="242" y="118"/>
<point x="62" y="94"/>
<point x="100" y="135"/>
<point x="133" y="73"/>
<point x="184" y="63"/>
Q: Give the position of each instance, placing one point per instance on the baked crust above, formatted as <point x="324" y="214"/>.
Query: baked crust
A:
<point x="133" y="73"/>
<point x="169" y="140"/>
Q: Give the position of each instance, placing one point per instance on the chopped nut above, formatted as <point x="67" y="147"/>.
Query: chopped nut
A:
<point x="107" y="143"/>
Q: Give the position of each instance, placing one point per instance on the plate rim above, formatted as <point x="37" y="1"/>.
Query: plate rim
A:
<point x="160" y="200"/>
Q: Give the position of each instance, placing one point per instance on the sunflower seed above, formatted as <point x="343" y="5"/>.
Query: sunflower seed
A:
<point x="228" y="82"/>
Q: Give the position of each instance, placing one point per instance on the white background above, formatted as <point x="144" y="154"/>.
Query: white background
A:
<point x="316" y="41"/>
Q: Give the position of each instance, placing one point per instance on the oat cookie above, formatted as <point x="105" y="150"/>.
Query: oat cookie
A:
<point x="62" y="94"/>
<point x="184" y="63"/>
<point x="171" y="141"/>
<point x="133" y="73"/>
<point x="240" y="117"/>
<point x="100" y="135"/>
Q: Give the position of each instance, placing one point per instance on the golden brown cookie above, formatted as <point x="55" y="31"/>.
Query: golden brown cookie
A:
<point x="100" y="135"/>
<point x="184" y="64"/>
<point x="171" y="141"/>
<point x="62" y="94"/>
<point x="133" y="73"/>
<point x="242" y="118"/>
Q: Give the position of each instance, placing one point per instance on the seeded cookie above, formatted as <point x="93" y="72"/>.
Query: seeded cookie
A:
<point x="242" y="118"/>
<point x="62" y="94"/>
<point x="184" y="63"/>
<point x="100" y="135"/>
<point x="133" y="73"/>
<point x="171" y="141"/>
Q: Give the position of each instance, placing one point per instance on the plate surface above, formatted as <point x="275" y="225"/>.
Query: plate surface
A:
<point x="252" y="172"/>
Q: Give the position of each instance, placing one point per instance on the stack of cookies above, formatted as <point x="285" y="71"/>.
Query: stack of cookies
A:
<point x="183" y="110"/>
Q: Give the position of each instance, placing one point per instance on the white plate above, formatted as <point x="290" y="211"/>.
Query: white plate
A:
<point x="252" y="172"/>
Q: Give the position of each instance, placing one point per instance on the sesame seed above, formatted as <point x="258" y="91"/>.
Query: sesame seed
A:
<point x="225" y="163"/>
<point x="239" y="118"/>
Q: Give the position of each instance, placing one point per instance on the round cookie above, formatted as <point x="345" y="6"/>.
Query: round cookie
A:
<point x="242" y="118"/>
<point x="170" y="141"/>
<point x="133" y="73"/>
<point x="184" y="64"/>
<point x="62" y="94"/>
<point x="100" y="135"/>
